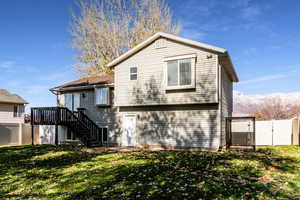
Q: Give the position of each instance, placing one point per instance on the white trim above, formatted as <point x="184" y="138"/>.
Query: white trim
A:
<point x="136" y="73"/>
<point x="180" y="57"/>
<point x="145" y="43"/>
<point x="193" y="74"/>
<point x="217" y="78"/>
<point x="108" y="96"/>
<point x="220" y="112"/>
<point x="102" y="127"/>
<point x="168" y="36"/>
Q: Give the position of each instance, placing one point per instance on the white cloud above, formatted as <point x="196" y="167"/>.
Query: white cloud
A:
<point x="193" y="34"/>
<point x="251" y="12"/>
<point x="53" y="77"/>
<point x="238" y="3"/>
<point x="201" y="8"/>
<point x="265" y="78"/>
<point x="250" y="51"/>
<point x="7" y="64"/>
<point x="37" y="89"/>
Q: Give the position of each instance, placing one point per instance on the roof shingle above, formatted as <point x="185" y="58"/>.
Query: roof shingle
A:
<point x="100" y="79"/>
<point x="7" y="97"/>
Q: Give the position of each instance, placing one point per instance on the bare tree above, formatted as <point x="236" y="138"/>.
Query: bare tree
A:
<point x="104" y="29"/>
<point x="272" y="108"/>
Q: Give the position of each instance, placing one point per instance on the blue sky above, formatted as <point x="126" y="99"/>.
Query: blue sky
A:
<point x="262" y="36"/>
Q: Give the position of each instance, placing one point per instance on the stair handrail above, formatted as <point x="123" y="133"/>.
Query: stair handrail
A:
<point x="63" y="116"/>
<point x="95" y="126"/>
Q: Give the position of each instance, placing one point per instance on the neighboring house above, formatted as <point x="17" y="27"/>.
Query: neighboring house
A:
<point x="11" y="107"/>
<point x="11" y="118"/>
<point x="166" y="92"/>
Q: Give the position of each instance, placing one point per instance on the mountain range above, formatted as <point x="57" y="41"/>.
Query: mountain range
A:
<point x="246" y="104"/>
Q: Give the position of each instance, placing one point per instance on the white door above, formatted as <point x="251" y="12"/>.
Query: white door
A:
<point x="128" y="135"/>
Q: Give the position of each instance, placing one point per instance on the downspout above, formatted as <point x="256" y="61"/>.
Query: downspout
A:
<point x="55" y="92"/>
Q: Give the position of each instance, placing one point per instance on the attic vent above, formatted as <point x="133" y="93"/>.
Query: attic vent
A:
<point x="161" y="43"/>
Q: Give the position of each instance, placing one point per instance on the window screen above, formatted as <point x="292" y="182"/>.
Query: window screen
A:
<point x="102" y="96"/>
<point x="180" y="72"/>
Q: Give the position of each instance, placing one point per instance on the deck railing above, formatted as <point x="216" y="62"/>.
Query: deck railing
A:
<point x="78" y="122"/>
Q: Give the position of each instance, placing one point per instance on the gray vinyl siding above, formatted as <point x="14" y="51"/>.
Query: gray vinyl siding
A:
<point x="226" y="102"/>
<point x="177" y="126"/>
<point x="103" y="116"/>
<point x="7" y="114"/>
<point x="178" y="118"/>
<point x="149" y="88"/>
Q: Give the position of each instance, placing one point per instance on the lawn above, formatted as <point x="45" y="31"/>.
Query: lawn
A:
<point x="48" y="172"/>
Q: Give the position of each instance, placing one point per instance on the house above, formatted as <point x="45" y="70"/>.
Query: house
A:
<point x="11" y="107"/>
<point x="11" y="118"/>
<point x="166" y="92"/>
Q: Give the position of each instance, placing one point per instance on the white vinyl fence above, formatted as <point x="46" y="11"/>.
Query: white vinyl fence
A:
<point x="275" y="132"/>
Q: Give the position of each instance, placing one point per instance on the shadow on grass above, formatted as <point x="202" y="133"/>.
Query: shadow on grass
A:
<point x="22" y="157"/>
<point x="23" y="166"/>
<point x="187" y="175"/>
<point x="142" y="175"/>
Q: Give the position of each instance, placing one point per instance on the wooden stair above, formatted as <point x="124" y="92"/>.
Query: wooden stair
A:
<point x="77" y="122"/>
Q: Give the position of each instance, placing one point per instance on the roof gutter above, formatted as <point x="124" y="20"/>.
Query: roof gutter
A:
<point x="55" y="91"/>
<point x="235" y="77"/>
<point x="11" y="102"/>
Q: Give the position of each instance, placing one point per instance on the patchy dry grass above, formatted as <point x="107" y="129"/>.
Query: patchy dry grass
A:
<point x="48" y="172"/>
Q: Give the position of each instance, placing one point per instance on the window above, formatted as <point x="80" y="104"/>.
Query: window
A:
<point x="18" y="110"/>
<point x="180" y="73"/>
<point x="103" y="135"/>
<point x="72" y="101"/>
<point x="133" y="73"/>
<point x="15" y="111"/>
<point x="102" y="96"/>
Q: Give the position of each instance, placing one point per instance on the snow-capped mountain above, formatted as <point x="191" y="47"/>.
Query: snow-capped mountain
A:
<point x="243" y="103"/>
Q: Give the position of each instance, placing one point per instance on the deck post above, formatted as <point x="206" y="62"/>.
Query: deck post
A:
<point x="56" y="126"/>
<point x="32" y="127"/>
<point x="32" y="135"/>
<point x="56" y="134"/>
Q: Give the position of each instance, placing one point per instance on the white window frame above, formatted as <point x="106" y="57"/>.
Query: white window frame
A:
<point x="133" y="73"/>
<point x="71" y="98"/>
<point x="103" y="127"/>
<point x="193" y="64"/>
<point x="108" y="96"/>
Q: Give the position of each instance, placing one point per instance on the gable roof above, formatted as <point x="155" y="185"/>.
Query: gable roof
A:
<point x="87" y="81"/>
<point x="7" y="97"/>
<point x="225" y="58"/>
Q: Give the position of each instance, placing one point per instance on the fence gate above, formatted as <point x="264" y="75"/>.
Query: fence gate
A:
<point x="240" y="131"/>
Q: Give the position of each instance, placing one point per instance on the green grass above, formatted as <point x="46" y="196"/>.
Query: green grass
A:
<point x="48" y="172"/>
